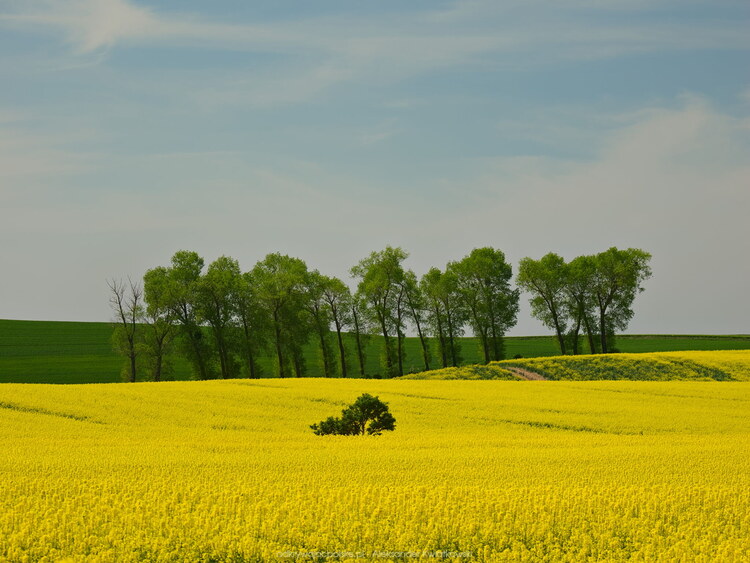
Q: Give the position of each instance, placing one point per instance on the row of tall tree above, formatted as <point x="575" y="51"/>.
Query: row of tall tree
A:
<point x="591" y="295"/>
<point x="223" y="319"/>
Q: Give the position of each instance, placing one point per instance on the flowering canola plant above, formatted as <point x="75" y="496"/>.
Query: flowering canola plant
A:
<point x="475" y="471"/>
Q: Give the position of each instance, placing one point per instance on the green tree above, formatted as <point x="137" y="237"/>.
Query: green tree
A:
<point x="399" y="323"/>
<point x="579" y="301"/>
<point x="435" y="310"/>
<point x="456" y="313"/>
<point x="280" y="283"/>
<point x="446" y="312"/>
<point x="361" y="327"/>
<point x="484" y="284"/>
<point x="545" y="280"/>
<point x="184" y="276"/>
<point x="338" y="299"/>
<point x="160" y="320"/>
<point x="367" y="415"/>
<point x="254" y="323"/>
<point x="380" y="275"/>
<point x="618" y="280"/>
<point x="126" y="302"/>
<point x="417" y="309"/>
<point x="320" y="314"/>
<point x="216" y="299"/>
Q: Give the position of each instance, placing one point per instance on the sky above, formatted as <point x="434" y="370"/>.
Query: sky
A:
<point x="329" y="129"/>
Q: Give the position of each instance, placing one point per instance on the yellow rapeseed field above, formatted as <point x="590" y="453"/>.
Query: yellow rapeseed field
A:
<point x="476" y="470"/>
<point x="720" y="365"/>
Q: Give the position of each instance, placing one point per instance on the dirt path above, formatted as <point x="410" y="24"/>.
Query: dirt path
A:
<point x="525" y="374"/>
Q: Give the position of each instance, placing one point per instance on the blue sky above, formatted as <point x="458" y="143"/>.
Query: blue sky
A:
<point x="326" y="130"/>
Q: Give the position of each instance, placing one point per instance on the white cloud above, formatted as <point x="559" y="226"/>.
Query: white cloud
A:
<point x="95" y="25"/>
<point x="326" y="51"/>
<point x="91" y="25"/>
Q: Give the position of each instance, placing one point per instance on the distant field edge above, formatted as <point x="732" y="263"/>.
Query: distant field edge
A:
<point x="69" y="352"/>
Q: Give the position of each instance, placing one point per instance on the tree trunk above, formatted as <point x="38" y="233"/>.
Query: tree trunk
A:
<point x="199" y="358"/>
<point x="603" y="330"/>
<point x="425" y="352"/>
<point x="324" y="350"/>
<point x="132" y="366"/>
<point x="159" y="339"/>
<point x="251" y="363"/>
<point x="575" y="335"/>
<point x="192" y="330"/>
<point x="441" y="338"/>
<point x="558" y="330"/>
<point x="493" y="330"/>
<point x="589" y="333"/>
<point x="248" y="349"/>
<point x="342" y="352"/>
<point x="279" y="352"/>
<point x="451" y="330"/>
<point x="222" y="353"/>
<point x="592" y="343"/>
<point x="482" y="334"/>
<point x="400" y="353"/>
<point x="388" y="355"/>
<point x="495" y="349"/>
<point x="360" y="353"/>
<point x="157" y="367"/>
<point x="485" y="346"/>
<point x="561" y="340"/>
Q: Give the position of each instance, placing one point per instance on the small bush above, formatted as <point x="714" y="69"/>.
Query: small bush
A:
<point x="367" y="415"/>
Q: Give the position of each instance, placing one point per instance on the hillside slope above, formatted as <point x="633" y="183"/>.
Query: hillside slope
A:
<point x="722" y="365"/>
<point x="491" y="371"/>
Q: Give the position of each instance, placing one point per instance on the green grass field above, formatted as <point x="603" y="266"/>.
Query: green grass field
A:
<point x="80" y="352"/>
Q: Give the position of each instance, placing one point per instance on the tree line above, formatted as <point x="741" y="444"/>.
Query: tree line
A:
<point x="224" y="320"/>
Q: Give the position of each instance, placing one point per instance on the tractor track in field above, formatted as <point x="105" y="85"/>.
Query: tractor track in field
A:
<point x="526" y="374"/>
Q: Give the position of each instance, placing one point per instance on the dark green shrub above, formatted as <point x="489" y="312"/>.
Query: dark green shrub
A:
<point x="367" y="415"/>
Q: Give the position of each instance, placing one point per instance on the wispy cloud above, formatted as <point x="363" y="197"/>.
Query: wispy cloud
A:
<point x="389" y="45"/>
<point x="90" y="25"/>
<point x="95" y="25"/>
